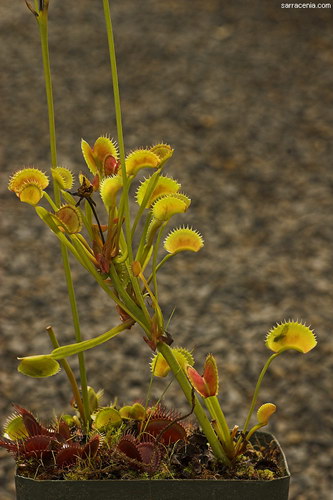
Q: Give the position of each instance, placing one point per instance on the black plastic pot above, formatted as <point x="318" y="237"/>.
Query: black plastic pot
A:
<point x="169" y="489"/>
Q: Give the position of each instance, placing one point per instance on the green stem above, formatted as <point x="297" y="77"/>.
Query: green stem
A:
<point x="134" y="281"/>
<point x="135" y="312"/>
<point x="217" y="425"/>
<point x="155" y="253"/>
<point x="143" y="237"/>
<point x="160" y="264"/>
<point x="42" y="20"/>
<point x="257" y="388"/>
<point x="147" y="249"/>
<point x="69" y="372"/>
<point x="116" y="96"/>
<point x="128" y="301"/>
<point x="206" y="426"/>
<point x="151" y="185"/>
<point x="253" y="430"/>
<point x="149" y="390"/>
<point x="138" y="293"/>
<point x="87" y="217"/>
<point x="216" y="407"/>
<point x="77" y="330"/>
<point x="126" y="181"/>
<point x="155" y="304"/>
<point x="50" y="201"/>
<point x="71" y="349"/>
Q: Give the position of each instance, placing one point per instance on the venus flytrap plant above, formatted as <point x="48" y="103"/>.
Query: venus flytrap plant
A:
<point x="123" y="257"/>
<point x="285" y="336"/>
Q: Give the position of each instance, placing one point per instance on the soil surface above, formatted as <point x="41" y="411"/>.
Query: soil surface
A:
<point x="128" y="457"/>
<point x="244" y="93"/>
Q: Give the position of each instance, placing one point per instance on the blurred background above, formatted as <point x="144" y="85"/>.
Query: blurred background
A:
<point x="243" y="91"/>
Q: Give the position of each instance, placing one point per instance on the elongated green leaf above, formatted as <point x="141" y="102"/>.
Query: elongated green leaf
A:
<point x="71" y="349"/>
<point x="68" y="197"/>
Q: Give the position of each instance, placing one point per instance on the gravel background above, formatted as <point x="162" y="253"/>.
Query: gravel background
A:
<point x="244" y="92"/>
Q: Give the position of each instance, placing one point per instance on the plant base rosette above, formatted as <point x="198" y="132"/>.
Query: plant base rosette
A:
<point x="168" y="489"/>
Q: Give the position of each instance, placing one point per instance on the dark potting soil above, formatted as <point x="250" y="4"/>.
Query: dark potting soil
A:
<point x="192" y="459"/>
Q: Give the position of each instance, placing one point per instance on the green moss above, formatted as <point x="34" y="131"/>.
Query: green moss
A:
<point x="265" y="474"/>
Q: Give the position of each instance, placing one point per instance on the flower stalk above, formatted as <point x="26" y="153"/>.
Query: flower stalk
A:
<point x="120" y="135"/>
<point x="258" y="385"/>
<point x="69" y="372"/>
<point x="42" y="20"/>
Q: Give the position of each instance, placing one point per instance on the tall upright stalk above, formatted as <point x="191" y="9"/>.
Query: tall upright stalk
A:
<point x="163" y="348"/>
<point x="42" y="20"/>
<point x="70" y="375"/>
<point x="120" y="135"/>
<point x="258" y="384"/>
